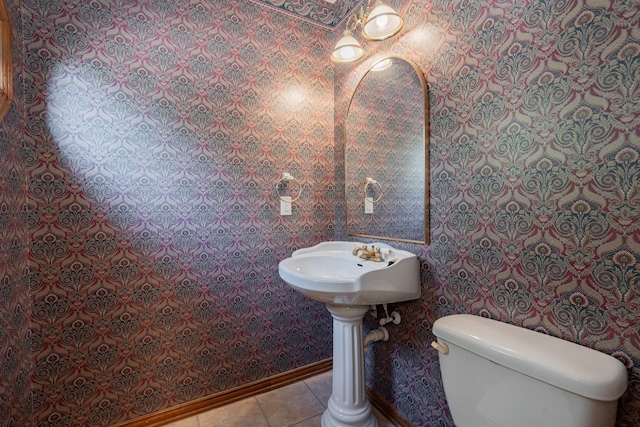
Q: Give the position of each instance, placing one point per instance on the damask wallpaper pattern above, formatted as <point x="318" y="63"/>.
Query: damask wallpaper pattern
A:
<point x="156" y="132"/>
<point x="535" y="173"/>
<point x="15" y="302"/>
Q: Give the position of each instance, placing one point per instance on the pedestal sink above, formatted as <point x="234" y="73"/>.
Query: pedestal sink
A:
<point x="330" y="273"/>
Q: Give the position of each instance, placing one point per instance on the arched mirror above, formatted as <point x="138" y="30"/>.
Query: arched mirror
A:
<point x="386" y="154"/>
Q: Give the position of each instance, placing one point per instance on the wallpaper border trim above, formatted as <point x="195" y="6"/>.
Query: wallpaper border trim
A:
<point x="294" y="15"/>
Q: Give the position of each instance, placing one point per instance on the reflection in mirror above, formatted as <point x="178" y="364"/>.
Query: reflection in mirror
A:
<point x="386" y="154"/>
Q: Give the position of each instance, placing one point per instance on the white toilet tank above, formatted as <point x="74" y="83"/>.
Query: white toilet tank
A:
<point x="500" y="375"/>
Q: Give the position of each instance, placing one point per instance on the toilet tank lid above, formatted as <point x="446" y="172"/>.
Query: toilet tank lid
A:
<point x="557" y="362"/>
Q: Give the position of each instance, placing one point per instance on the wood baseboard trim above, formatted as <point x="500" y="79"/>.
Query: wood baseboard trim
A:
<point x="386" y="409"/>
<point x="216" y="400"/>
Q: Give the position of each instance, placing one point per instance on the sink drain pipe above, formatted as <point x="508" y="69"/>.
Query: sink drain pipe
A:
<point x="382" y="333"/>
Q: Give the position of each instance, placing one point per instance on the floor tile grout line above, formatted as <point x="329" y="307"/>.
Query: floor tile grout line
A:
<point x="308" y="384"/>
<point x="264" y="414"/>
<point x="324" y="405"/>
<point x="303" y="421"/>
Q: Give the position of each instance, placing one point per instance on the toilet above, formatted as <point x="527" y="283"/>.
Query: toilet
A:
<point x="500" y="375"/>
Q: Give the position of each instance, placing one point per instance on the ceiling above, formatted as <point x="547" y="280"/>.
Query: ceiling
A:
<point x="327" y="13"/>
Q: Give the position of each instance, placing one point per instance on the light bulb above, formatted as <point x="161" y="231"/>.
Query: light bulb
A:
<point x="383" y="22"/>
<point x="347" y="52"/>
<point x="347" y="49"/>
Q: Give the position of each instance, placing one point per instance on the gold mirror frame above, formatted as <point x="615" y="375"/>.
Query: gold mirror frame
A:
<point x="6" y="60"/>
<point x="424" y="134"/>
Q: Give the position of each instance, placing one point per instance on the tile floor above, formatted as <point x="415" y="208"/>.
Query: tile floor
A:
<point x="297" y="405"/>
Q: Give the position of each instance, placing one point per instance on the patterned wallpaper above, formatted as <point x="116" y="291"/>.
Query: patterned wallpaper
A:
<point x="15" y="302"/>
<point x="156" y="133"/>
<point x="535" y="173"/>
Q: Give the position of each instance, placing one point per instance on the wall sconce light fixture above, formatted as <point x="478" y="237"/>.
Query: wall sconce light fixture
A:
<point x="378" y="24"/>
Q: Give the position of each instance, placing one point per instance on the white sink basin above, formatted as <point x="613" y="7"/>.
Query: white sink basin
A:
<point x="330" y="273"/>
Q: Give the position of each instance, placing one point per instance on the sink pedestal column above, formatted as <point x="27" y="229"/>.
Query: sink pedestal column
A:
<point x="348" y="405"/>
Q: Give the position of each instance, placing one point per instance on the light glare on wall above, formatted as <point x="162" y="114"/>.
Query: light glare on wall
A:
<point x="295" y="96"/>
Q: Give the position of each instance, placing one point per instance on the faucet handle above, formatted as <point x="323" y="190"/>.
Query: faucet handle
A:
<point x="377" y="255"/>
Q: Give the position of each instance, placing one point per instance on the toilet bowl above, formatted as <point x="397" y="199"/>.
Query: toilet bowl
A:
<point x="499" y="375"/>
